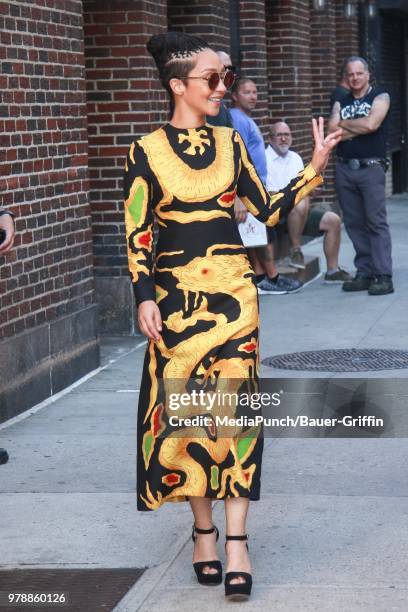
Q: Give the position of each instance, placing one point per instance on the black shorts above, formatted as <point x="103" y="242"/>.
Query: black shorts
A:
<point x="271" y="234"/>
<point x="312" y="227"/>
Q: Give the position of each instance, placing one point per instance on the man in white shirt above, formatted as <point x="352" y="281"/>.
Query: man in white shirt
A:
<point x="282" y="166"/>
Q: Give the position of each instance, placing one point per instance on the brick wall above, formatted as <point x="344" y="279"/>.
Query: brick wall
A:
<point x="347" y="36"/>
<point x="337" y="37"/>
<point x="323" y="80"/>
<point x="125" y="100"/>
<point x="323" y="58"/>
<point x="48" y="331"/>
<point x="44" y="163"/>
<point x="289" y="76"/>
<point x="253" y="50"/>
<point x="206" y="19"/>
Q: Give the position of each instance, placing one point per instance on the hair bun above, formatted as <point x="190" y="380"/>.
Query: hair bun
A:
<point x="157" y="47"/>
<point x="177" y="44"/>
<point x="162" y="46"/>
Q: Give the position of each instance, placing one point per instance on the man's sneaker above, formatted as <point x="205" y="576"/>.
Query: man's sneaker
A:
<point x="3" y="456"/>
<point x="358" y="283"/>
<point x="382" y="285"/>
<point x="340" y="276"/>
<point x="296" y="259"/>
<point x="278" y="287"/>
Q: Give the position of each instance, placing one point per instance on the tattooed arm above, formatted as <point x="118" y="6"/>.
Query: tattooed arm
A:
<point x="335" y="123"/>
<point x="371" y="123"/>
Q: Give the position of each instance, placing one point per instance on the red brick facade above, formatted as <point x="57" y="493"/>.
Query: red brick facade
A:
<point x="207" y="19"/>
<point x="323" y="76"/>
<point x="253" y="50"/>
<point x="291" y="51"/>
<point x="125" y="100"/>
<point x="288" y="52"/>
<point x="44" y="163"/>
<point x="77" y="87"/>
<point x="346" y="36"/>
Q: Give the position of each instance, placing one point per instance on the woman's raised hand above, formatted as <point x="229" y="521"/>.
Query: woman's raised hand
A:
<point x="323" y="146"/>
<point x="149" y="318"/>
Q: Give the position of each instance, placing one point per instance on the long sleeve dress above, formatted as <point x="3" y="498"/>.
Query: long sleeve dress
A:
<point x="200" y="277"/>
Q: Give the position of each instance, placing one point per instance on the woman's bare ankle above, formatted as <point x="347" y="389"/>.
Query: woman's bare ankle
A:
<point x="205" y="549"/>
<point x="237" y="556"/>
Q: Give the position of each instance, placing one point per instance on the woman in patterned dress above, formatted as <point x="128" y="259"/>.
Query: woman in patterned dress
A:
<point x="197" y="298"/>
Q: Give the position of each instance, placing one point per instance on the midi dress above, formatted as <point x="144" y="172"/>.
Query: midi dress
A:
<point x="200" y="277"/>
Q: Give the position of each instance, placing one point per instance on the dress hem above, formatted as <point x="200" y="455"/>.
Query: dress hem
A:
<point x="184" y="498"/>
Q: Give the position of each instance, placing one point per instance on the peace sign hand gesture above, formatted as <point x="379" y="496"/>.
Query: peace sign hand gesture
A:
<point x="323" y="145"/>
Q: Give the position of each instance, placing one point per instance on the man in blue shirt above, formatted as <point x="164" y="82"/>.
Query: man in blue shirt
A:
<point x="244" y="98"/>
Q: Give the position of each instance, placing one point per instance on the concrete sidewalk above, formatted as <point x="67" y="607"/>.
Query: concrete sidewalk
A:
<point x="329" y="533"/>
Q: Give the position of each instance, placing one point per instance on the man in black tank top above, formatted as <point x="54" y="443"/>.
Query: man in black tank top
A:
<point x="360" y="177"/>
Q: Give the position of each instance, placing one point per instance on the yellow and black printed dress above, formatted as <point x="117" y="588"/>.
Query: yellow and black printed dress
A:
<point x="201" y="279"/>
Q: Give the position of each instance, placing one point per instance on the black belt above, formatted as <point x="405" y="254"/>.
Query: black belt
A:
<point x="355" y="164"/>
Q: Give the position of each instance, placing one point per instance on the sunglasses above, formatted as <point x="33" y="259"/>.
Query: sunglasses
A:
<point x="213" y="80"/>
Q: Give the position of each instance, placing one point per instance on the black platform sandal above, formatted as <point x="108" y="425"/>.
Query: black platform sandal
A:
<point x="238" y="591"/>
<point x="202" y="577"/>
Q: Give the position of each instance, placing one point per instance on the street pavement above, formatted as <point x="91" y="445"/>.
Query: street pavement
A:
<point x="330" y="531"/>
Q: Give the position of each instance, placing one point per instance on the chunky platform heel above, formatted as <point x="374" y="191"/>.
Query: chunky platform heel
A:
<point x="202" y="577"/>
<point x="238" y="591"/>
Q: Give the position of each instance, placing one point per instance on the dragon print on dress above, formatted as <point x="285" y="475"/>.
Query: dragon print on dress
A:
<point x="200" y="277"/>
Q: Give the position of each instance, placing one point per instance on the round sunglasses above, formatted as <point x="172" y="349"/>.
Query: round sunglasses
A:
<point x="228" y="78"/>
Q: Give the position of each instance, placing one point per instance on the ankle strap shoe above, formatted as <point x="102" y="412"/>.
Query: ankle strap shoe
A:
<point x="239" y="591"/>
<point x="202" y="577"/>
